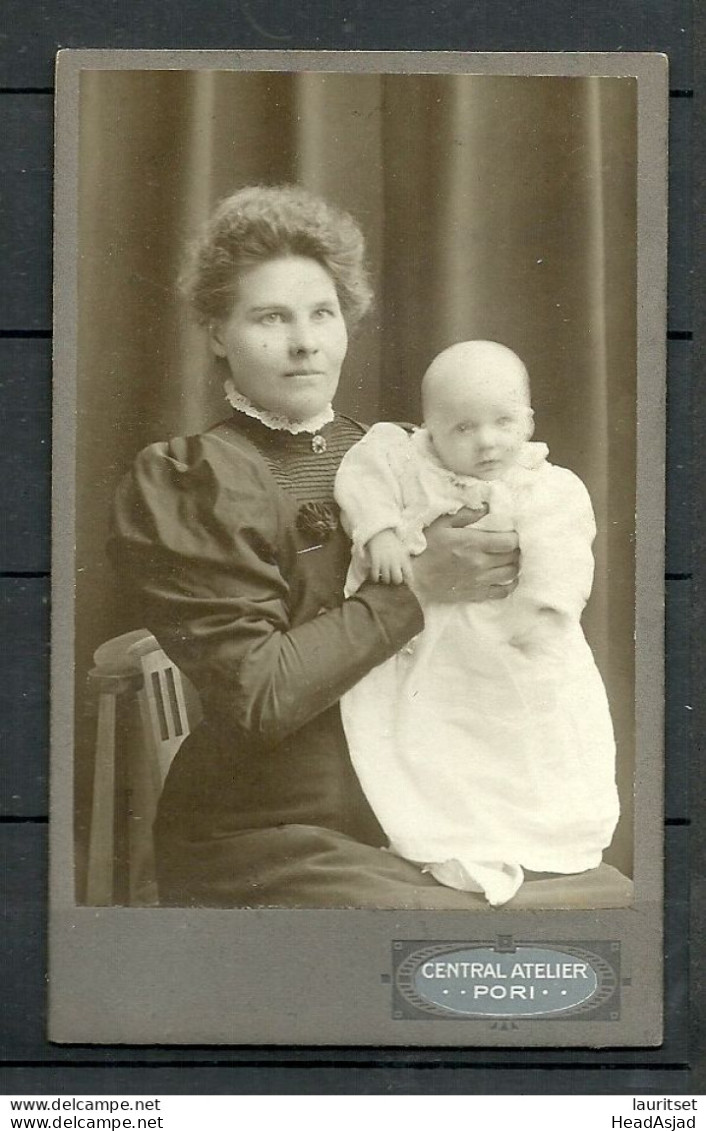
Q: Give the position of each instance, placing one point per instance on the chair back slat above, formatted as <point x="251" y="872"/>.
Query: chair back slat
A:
<point x="168" y="706"/>
<point x="164" y="693"/>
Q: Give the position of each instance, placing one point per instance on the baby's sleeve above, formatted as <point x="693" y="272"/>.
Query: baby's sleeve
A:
<point x="368" y="486"/>
<point x="556" y="537"/>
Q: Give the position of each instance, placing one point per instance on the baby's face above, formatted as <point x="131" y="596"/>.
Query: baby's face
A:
<point x="478" y="431"/>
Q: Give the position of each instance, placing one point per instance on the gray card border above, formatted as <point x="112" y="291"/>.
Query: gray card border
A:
<point x="321" y="977"/>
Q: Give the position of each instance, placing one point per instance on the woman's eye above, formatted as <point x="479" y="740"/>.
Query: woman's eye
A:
<point x="271" y="318"/>
<point x="324" y="312"/>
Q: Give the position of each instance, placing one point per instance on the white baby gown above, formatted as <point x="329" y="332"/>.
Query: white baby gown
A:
<point x="485" y="746"/>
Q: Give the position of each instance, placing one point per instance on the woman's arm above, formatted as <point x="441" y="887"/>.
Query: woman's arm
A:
<point x="203" y="561"/>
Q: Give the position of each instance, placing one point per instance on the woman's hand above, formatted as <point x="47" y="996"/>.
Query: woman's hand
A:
<point x="461" y="563"/>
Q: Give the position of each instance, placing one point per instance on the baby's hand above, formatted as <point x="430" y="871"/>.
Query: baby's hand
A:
<point x="389" y="560"/>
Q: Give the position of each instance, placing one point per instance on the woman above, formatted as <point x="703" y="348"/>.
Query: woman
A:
<point x="231" y="542"/>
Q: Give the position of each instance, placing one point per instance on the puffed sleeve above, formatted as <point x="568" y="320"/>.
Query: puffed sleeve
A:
<point x="203" y="557"/>
<point x="556" y="536"/>
<point x="368" y="485"/>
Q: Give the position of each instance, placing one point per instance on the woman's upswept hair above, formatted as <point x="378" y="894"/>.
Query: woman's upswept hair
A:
<point x="261" y="223"/>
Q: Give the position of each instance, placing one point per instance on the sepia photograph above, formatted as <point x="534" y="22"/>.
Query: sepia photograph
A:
<point x="356" y="362"/>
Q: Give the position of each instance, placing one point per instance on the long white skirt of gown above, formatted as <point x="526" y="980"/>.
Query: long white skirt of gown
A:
<point x="479" y="761"/>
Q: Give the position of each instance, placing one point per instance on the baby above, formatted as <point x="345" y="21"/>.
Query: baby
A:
<point x="485" y="747"/>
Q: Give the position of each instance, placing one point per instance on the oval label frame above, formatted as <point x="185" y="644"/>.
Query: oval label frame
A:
<point x="483" y="981"/>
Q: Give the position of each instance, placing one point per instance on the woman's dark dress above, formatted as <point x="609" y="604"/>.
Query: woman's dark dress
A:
<point x="241" y="582"/>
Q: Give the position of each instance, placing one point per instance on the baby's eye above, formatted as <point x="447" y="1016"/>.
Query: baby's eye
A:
<point x="506" y="421"/>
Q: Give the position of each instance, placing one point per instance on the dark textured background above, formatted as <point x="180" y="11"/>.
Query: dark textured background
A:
<point x="30" y="34"/>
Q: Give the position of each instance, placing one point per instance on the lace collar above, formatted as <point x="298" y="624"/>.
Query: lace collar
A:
<point x="272" y="419"/>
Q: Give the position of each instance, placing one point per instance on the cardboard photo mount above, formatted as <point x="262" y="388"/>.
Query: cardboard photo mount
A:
<point x="152" y="975"/>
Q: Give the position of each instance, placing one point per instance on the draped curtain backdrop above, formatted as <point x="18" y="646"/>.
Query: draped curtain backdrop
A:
<point x="494" y="207"/>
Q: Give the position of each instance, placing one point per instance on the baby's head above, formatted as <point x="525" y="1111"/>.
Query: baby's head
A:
<point x="476" y="403"/>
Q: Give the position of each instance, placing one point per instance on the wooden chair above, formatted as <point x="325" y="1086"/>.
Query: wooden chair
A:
<point x="146" y="707"/>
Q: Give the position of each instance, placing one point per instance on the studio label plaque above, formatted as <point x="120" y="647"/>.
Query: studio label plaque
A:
<point x="480" y="980"/>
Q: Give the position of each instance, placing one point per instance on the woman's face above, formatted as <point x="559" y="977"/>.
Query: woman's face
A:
<point x="285" y="338"/>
